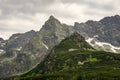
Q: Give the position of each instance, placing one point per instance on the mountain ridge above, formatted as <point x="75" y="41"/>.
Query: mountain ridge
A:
<point x="75" y="59"/>
<point x="104" y="31"/>
<point x="30" y="50"/>
<point x="33" y="51"/>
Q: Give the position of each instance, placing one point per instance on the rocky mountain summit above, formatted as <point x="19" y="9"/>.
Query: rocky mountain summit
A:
<point x="1" y="39"/>
<point x="23" y="51"/>
<point x="103" y="34"/>
<point x="74" y="56"/>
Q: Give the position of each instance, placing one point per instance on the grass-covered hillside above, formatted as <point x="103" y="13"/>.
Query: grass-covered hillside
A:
<point x="75" y="59"/>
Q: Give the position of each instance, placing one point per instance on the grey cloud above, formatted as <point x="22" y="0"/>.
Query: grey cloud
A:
<point x="13" y="7"/>
<point x="24" y="6"/>
<point x="32" y="12"/>
<point x="95" y="8"/>
<point x="7" y="28"/>
<point x="106" y="7"/>
<point x="91" y="4"/>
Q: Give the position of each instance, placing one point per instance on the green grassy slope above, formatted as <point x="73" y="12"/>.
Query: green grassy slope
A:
<point x="75" y="59"/>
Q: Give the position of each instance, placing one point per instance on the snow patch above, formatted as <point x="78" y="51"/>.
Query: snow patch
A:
<point x="45" y="46"/>
<point x="113" y="48"/>
<point x="102" y="44"/>
<point x="2" y="51"/>
<point x="81" y="62"/>
<point x="18" y="49"/>
<point x="72" y="49"/>
<point x="95" y="36"/>
<point x="89" y="41"/>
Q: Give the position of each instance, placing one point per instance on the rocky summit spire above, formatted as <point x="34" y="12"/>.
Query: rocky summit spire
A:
<point x="1" y="39"/>
<point x="52" y="20"/>
<point x="51" y="24"/>
<point x="111" y="20"/>
<point x="51" y="17"/>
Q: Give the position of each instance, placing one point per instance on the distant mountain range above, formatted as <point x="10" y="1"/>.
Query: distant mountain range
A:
<point x="103" y="34"/>
<point x="75" y="59"/>
<point x="24" y="51"/>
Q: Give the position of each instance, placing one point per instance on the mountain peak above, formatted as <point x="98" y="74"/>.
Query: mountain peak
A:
<point x="116" y="16"/>
<point x="76" y="23"/>
<point x="31" y="31"/>
<point x="1" y="39"/>
<point x="50" y="23"/>
<point x="52" y="19"/>
<point x="111" y="19"/>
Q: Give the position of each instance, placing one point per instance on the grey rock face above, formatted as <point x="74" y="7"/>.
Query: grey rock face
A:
<point x="53" y="31"/>
<point x="24" y="51"/>
<point x="103" y="34"/>
<point x="112" y="30"/>
<point x="51" y="34"/>
<point x="2" y="43"/>
<point x="1" y="39"/>
<point x="19" y="40"/>
<point x="11" y="59"/>
<point x="105" y="30"/>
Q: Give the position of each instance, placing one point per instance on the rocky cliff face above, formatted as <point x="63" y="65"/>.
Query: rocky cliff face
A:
<point x="19" y="40"/>
<point x="1" y="39"/>
<point x="24" y="51"/>
<point x="51" y="34"/>
<point x="10" y="52"/>
<point x="103" y="34"/>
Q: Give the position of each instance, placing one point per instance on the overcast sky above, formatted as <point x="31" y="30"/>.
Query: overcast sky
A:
<point x="24" y="15"/>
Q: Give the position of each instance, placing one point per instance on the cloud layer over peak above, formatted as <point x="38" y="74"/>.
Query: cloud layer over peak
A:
<point x="24" y="15"/>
